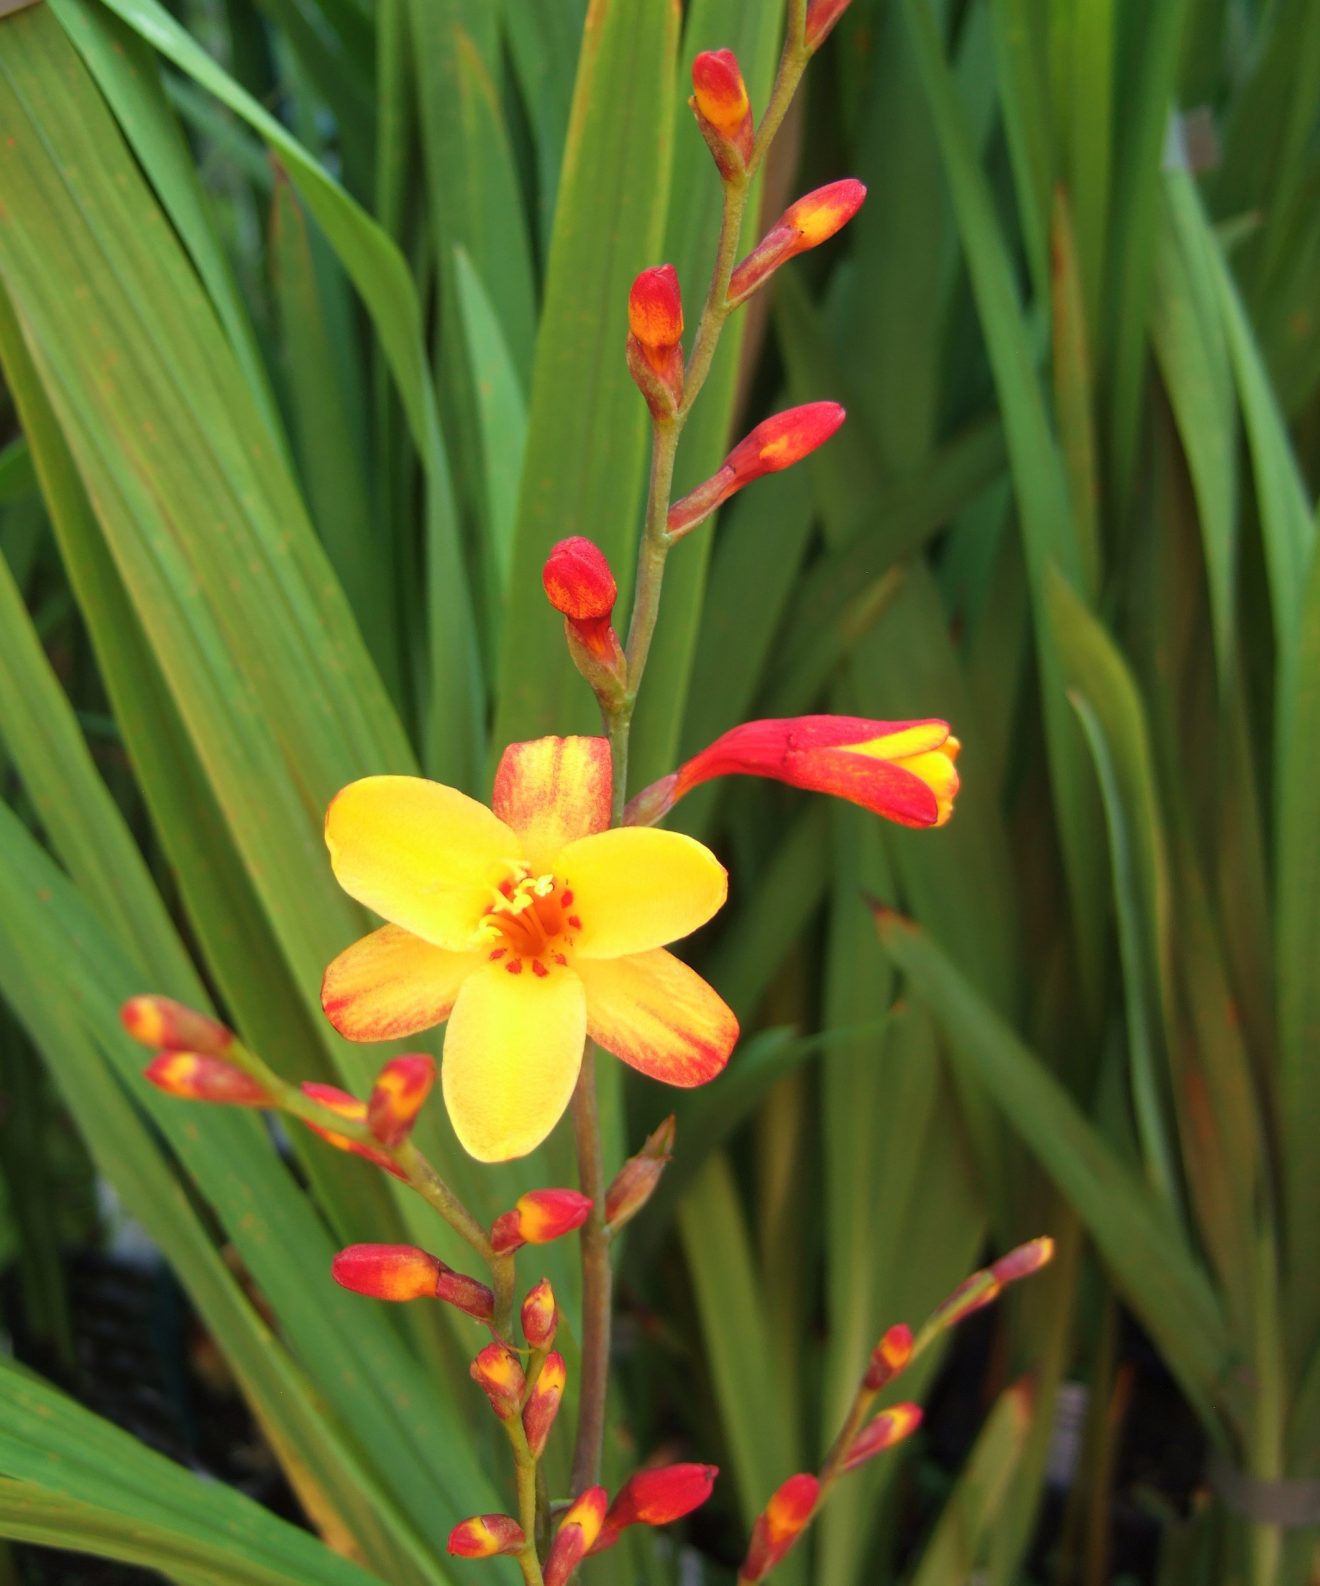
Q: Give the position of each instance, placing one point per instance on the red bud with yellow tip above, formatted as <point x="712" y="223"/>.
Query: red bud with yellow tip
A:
<point x="656" y="1497"/>
<point x="635" y="1182"/>
<point x="1023" y="1261"/>
<point x="403" y="1272"/>
<point x="538" y="1217"/>
<point x="804" y="225"/>
<point x="543" y="1402"/>
<point x="398" y="1095"/>
<point x="196" y="1076"/>
<point x="774" y="444"/>
<point x="577" y="1532"/>
<point x="161" y="1022"/>
<point x="822" y="15"/>
<point x="353" y="1111"/>
<point x="889" y="1427"/>
<point x="499" y="1374"/>
<point x="779" y="1525"/>
<point x="655" y="338"/>
<point x="723" y="111"/>
<point x="486" y="1536"/>
<point x="888" y="1358"/>
<point x="540" y="1315"/>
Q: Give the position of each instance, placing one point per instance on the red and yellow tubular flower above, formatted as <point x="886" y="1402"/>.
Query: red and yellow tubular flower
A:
<point x="498" y="1372"/>
<point x="486" y="1536"/>
<point x="543" y="1402"/>
<point x="821" y="18"/>
<point x="529" y="929"/>
<point x="635" y="1182"/>
<point x="403" y="1272"/>
<point x="655" y="338"/>
<point x="161" y="1022"/>
<point x="540" y="1316"/>
<point x="723" y="111"/>
<point x="656" y="1497"/>
<point x="580" y="585"/>
<point x="888" y="1358"/>
<point x="779" y="1525"/>
<point x="903" y="770"/>
<point x="889" y="1427"/>
<point x="577" y="1532"/>
<point x="197" y="1076"/>
<point x="776" y="443"/>
<point x="349" y="1107"/>
<point x="538" y="1217"/>
<point x="398" y="1095"/>
<point x="812" y="220"/>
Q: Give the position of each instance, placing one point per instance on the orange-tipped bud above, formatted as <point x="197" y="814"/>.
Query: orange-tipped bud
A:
<point x="821" y="18"/>
<point x="635" y="1182"/>
<point x="804" y="225"/>
<point x="889" y="1357"/>
<point x="577" y="1532"/>
<point x="538" y="1217"/>
<point x="354" y="1111"/>
<point x="1023" y="1261"/>
<point x="779" y="1525"/>
<point x="486" y="1536"/>
<point x="723" y="111"/>
<point x="655" y="338"/>
<point x="540" y="1315"/>
<point x="499" y="1374"/>
<point x="398" y="1095"/>
<point x="903" y="770"/>
<point x="162" y="1022"/>
<point x="656" y="1497"/>
<point x="196" y="1076"/>
<point x="889" y="1427"/>
<point x="387" y="1272"/>
<point x="543" y="1402"/>
<point x="776" y="443"/>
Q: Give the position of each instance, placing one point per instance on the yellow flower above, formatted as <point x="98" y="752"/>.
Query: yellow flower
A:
<point x="529" y="927"/>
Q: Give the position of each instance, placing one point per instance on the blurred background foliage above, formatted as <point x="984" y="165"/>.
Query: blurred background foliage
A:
<point x="311" y="328"/>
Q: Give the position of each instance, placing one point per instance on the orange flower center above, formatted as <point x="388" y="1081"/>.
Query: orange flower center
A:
<point x="531" y="921"/>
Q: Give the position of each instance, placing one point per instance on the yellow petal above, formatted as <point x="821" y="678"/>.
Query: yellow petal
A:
<point x="659" y="1016"/>
<point x="551" y="791"/>
<point x="392" y="983"/>
<point x="512" y="1053"/>
<point x="635" y="888"/>
<point x="423" y="855"/>
<point x="911" y="740"/>
<point x="937" y="770"/>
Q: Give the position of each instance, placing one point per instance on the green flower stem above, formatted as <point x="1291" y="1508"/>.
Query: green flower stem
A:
<point x="525" y="1476"/>
<point x="597" y="1297"/>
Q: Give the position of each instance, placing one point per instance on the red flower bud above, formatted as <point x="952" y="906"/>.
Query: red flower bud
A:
<point x="486" y="1536"/>
<point x="543" y="1402"/>
<point x="578" y="581"/>
<point x="780" y="1525"/>
<point x="776" y="443"/>
<point x="804" y="225"/>
<point x="889" y="1427"/>
<point x="499" y="1374"/>
<point x="655" y="339"/>
<point x="169" y="1025"/>
<point x="387" y="1272"/>
<point x="538" y="1217"/>
<point x="355" y="1111"/>
<point x="398" y="1095"/>
<point x="196" y="1076"/>
<point x="723" y="111"/>
<point x="821" y="17"/>
<point x="635" y="1182"/>
<point x="656" y="1497"/>
<point x="1023" y="1261"/>
<point x="573" y="1540"/>
<point x="889" y="1357"/>
<point x="540" y="1315"/>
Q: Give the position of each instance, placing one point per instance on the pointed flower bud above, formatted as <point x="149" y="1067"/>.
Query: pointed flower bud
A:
<point x="486" y="1536"/>
<point x="636" y="1180"/>
<point x="656" y="1497"/>
<point x="888" y="1358"/>
<point x="821" y="18"/>
<point x="403" y="1272"/>
<point x="196" y="1076"/>
<point x="538" y="1217"/>
<point x="577" y="1532"/>
<point x="776" y="443"/>
<point x="804" y="225"/>
<point x="355" y="1111"/>
<point x="578" y="582"/>
<point x="543" y="1402"/>
<point x="164" y="1023"/>
<point x="540" y="1315"/>
<point x="723" y="111"/>
<point x="499" y="1374"/>
<point x="889" y="1427"/>
<point x="398" y="1095"/>
<point x="780" y="1525"/>
<point x="655" y="338"/>
<point x="1023" y="1261"/>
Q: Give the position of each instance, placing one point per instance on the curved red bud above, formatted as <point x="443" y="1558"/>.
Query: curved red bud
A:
<point x="173" y="1027"/>
<point x="486" y="1536"/>
<point x="398" y="1095"/>
<point x="779" y="1525"/>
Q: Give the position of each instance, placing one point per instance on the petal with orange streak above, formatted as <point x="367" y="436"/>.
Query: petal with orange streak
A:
<point x="659" y="1016"/>
<point x="423" y="855"/>
<point x="512" y="1053"/>
<point x="552" y="791"/>
<point x="392" y="983"/>
<point x="635" y="888"/>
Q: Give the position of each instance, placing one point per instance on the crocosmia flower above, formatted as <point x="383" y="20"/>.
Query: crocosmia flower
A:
<point x="528" y="927"/>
